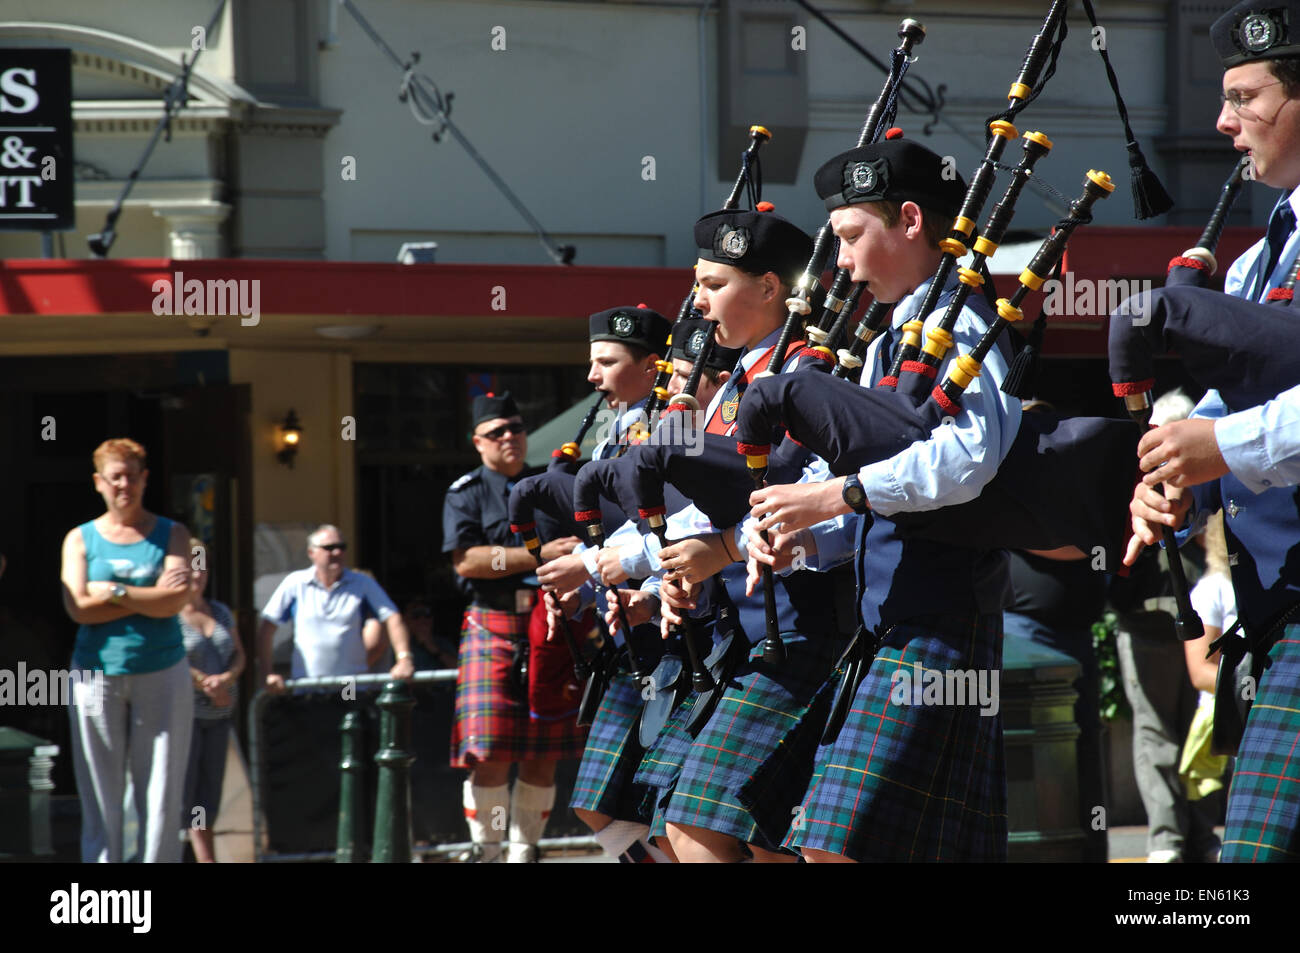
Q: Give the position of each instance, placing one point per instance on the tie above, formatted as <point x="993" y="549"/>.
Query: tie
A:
<point x="1280" y="226"/>
<point x="885" y="354"/>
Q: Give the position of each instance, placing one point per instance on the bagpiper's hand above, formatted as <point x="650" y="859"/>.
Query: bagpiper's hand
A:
<point x="558" y="547"/>
<point x="1151" y="512"/>
<point x="675" y="598"/>
<point x="275" y="684"/>
<point x="563" y="574"/>
<point x="610" y="567"/>
<point x="789" y="507"/>
<point x="639" y="606"/>
<point x="1181" y="453"/>
<point x="695" y="559"/>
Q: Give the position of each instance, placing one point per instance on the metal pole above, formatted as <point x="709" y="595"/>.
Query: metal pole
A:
<point x="393" y="801"/>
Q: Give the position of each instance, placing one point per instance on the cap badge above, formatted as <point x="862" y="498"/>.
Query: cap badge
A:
<point x="695" y="343"/>
<point x="735" y="242"/>
<point x="1257" y="33"/>
<point x="622" y="324"/>
<point x="864" y="177"/>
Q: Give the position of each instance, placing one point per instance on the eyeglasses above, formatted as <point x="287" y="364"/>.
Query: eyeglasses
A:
<point x="497" y="433"/>
<point x="334" y="547"/>
<point x="1238" y="98"/>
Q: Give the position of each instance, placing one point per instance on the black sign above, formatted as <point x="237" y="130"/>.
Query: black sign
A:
<point x="36" y="180"/>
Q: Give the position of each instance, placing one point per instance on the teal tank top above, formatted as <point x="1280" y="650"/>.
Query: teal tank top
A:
<point x="136" y="644"/>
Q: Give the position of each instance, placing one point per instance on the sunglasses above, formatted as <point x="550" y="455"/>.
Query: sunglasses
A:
<point x="334" y="547"/>
<point x="498" y="432"/>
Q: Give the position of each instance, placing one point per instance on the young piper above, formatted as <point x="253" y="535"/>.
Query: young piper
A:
<point x="625" y="344"/>
<point x="909" y="781"/>
<point x="748" y="263"/>
<point x="1248" y="462"/>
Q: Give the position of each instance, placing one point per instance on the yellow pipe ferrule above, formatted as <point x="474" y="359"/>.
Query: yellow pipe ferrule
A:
<point x="571" y="450"/>
<point x="1000" y="127"/>
<point x="665" y="367"/>
<point x="963" y="226"/>
<point x="912" y="333"/>
<point x="1101" y="179"/>
<point x="964" y="370"/>
<point x="662" y="393"/>
<point x="1030" y="280"/>
<point x="761" y="131"/>
<point x="1009" y="312"/>
<point x="950" y="246"/>
<point x="937" y="342"/>
<point x="968" y="276"/>
<point x="532" y="543"/>
<point x="656" y="521"/>
<point x="1019" y="91"/>
<point x="985" y="247"/>
<point x="823" y="349"/>
<point x="756" y="463"/>
<point x="1039" y="138"/>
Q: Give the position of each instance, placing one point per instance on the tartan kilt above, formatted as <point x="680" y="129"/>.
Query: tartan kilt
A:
<point x="756" y="712"/>
<point x="914" y="782"/>
<point x="605" y="777"/>
<point x="1263" y="821"/>
<point x="491" y="724"/>
<point x="662" y="763"/>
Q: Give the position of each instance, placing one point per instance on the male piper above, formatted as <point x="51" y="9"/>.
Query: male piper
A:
<point x="908" y="781"/>
<point x="1248" y="462"/>
<point x="492" y="727"/>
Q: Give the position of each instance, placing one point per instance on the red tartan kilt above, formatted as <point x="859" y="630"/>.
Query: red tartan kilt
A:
<point x="491" y="724"/>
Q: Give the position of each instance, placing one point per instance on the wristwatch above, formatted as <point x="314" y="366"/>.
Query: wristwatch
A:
<point x="854" y="495"/>
<point x="116" y="593"/>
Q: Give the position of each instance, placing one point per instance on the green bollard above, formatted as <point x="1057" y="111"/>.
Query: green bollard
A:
<point x="393" y="802"/>
<point x="352" y="775"/>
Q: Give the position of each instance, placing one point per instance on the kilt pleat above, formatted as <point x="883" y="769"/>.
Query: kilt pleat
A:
<point x="605" y="782"/>
<point x="491" y="724"/>
<point x="756" y="712"/>
<point x="914" y="782"/>
<point x="1263" y="822"/>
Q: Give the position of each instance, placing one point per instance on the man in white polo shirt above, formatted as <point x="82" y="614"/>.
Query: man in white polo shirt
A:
<point x="328" y="605"/>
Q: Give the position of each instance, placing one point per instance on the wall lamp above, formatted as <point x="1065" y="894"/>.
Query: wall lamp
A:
<point x="290" y="435"/>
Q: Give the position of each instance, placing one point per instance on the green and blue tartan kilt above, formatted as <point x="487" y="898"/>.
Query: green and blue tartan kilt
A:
<point x="491" y="724"/>
<point x="914" y="782"/>
<point x="605" y="777"/>
<point x="662" y="763"/>
<point x="756" y="712"/>
<point x="1264" y="801"/>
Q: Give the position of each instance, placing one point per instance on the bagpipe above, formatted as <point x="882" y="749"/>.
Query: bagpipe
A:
<point x="1058" y="484"/>
<point x="1225" y="343"/>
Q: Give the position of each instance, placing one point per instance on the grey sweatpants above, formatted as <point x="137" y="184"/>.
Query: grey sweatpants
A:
<point x="141" y="725"/>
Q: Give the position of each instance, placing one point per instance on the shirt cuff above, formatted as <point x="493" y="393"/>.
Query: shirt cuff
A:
<point x="1241" y="441"/>
<point x="635" y="559"/>
<point x="589" y="556"/>
<point x="884" y="493"/>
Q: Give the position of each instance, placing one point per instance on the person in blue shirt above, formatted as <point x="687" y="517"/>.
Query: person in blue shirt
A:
<point x="125" y="576"/>
<point x="1247" y="462"/>
<point x="908" y="781"/>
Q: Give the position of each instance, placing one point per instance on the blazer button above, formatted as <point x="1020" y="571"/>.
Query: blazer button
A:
<point x="1232" y="509"/>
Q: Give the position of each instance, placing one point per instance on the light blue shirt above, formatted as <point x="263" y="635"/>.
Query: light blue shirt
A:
<point x="1261" y="445"/>
<point x="327" y="621"/>
<point x="960" y="458"/>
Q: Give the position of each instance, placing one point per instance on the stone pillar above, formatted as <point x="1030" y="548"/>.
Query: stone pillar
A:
<point x="194" y="229"/>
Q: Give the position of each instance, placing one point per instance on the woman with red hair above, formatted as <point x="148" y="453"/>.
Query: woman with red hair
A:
<point x="125" y="577"/>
